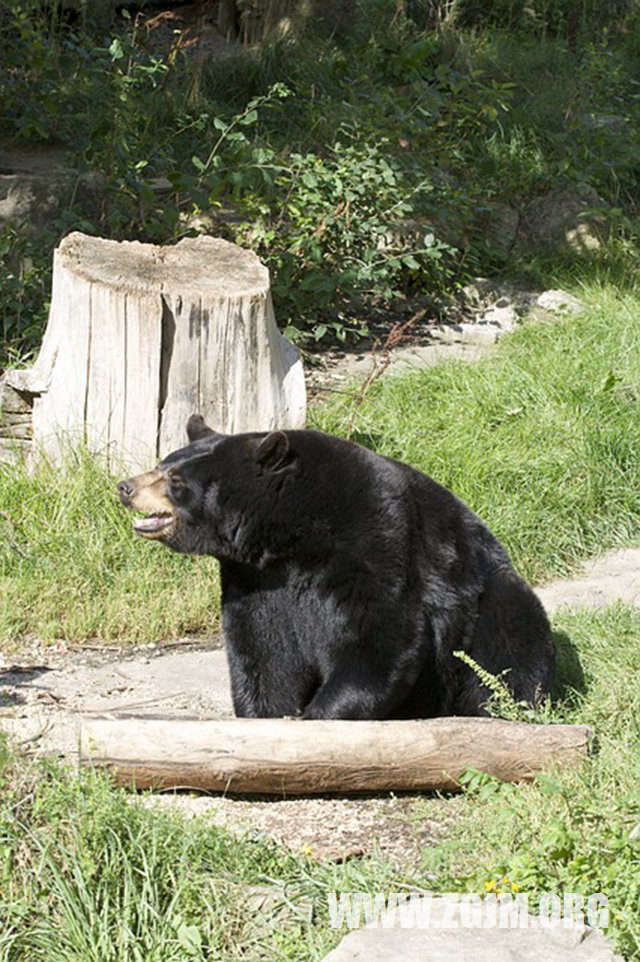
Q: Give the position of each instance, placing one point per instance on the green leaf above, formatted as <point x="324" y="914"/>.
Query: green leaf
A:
<point x="190" y="939"/>
<point x="115" y="49"/>
<point x="608" y="382"/>
<point x="249" y="118"/>
<point x="549" y="786"/>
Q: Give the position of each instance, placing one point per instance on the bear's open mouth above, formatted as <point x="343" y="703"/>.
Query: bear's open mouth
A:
<point x="153" y="524"/>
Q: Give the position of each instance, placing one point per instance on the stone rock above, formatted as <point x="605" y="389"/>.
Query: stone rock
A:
<point x="89" y="192"/>
<point x="489" y="323"/>
<point x="501" y="315"/>
<point x="13" y="401"/>
<point x="28" y="200"/>
<point x="483" y="294"/>
<point x="16" y="423"/>
<point x="441" y="943"/>
<point x="465" y="333"/>
<point x="563" y="220"/>
<point x="35" y="187"/>
<point x="478" y="291"/>
<point x="559" y="302"/>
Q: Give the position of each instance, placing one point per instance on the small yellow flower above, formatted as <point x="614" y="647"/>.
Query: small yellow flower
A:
<point x="490" y="886"/>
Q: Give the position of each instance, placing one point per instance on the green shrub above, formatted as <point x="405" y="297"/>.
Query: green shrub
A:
<point x="334" y="237"/>
<point x="323" y="144"/>
<point x="24" y="290"/>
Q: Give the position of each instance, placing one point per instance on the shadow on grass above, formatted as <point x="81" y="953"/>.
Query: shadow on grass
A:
<point x="373" y="441"/>
<point x="609" y="263"/>
<point x="569" y="678"/>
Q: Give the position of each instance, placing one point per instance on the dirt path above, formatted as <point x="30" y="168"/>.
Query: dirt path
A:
<point x="613" y="577"/>
<point x="52" y="692"/>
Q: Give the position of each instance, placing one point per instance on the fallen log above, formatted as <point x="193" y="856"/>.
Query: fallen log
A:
<point x="290" y="756"/>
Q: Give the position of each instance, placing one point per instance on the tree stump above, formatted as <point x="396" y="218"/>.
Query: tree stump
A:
<point x="139" y="337"/>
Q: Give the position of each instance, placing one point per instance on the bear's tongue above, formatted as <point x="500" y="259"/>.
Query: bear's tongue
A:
<point x="152" y="523"/>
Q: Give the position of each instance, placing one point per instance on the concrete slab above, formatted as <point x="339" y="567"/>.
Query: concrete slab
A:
<point x="459" y="943"/>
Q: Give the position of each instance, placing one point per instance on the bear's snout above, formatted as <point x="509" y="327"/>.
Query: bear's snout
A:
<point x="148" y="494"/>
<point x="125" y="490"/>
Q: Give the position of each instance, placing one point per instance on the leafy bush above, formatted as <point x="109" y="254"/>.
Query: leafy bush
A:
<point x="315" y="150"/>
<point x="334" y="237"/>
<point x="24" y="280"/>
<point x="545" y="17"/>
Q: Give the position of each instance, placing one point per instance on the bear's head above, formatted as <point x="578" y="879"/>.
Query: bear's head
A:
<point x="220" y="495"/>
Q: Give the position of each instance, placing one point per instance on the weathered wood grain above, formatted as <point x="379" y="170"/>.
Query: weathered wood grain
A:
<point x="140" y="337"/>
<point x="307" y="757"/>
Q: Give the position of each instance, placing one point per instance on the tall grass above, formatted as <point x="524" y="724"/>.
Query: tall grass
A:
<point x="542" y="440"/>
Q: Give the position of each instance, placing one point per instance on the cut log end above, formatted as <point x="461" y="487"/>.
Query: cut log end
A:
<point x="195" y="265"/>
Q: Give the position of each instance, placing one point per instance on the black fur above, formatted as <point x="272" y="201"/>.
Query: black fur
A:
<point x="349" y="579"/>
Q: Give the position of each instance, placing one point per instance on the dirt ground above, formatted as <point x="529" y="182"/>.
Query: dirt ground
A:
<point x="47" y="691"/>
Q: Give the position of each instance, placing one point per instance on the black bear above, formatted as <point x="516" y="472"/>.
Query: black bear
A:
<point x="348" y="579"/>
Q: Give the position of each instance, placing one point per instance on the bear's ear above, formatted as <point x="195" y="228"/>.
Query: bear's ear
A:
<point x="196" y="428"/>
<point x="273" y="451"/>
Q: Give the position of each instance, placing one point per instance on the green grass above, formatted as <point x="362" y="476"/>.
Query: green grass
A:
<point x="542" y="440"/>
<point x="89" y="876"/>
<point x="71" y="566"/>
<point x="575" y="831"/>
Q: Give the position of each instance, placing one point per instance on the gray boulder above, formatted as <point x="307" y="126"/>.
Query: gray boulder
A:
<point x="566" y="220"/>
<point x="499" y="226"/>
<point x="559" y="302"/>
<point x="443" y="942"/>
<point x="36" y="187"/>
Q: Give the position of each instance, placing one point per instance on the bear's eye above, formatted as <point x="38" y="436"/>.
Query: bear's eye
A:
<point x="176" y="482"/>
